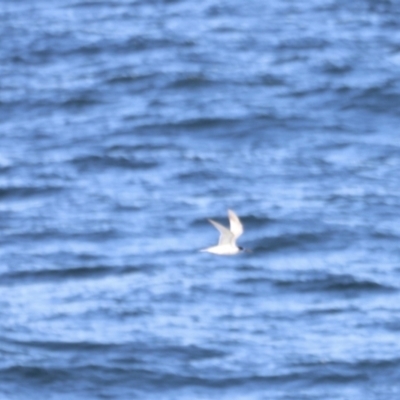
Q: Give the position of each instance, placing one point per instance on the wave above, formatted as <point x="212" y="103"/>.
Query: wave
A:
<point x="294" y="240"/>
<point x="31" y="276"/>
<point x="382" y="98"/>
<point x="334" y="283"/>
<point x="126" y="77"/>
<point x="14" y="192"/>
<point x="191" y="81"/>
<point x="138" y="380"/>
<point x="106" y="161"/>
<point x="142" y="376"/>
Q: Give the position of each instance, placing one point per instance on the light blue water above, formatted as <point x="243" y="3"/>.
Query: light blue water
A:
<point x="125" y="125"/>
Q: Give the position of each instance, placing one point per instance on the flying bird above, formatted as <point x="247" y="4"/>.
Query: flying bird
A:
<point x="227" y="239"/>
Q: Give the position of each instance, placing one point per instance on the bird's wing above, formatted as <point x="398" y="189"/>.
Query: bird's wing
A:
<point x="235" y="224"/>
<point x="226" y="236"/>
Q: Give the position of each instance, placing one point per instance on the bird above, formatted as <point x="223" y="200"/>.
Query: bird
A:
<point x="227" y="240"/>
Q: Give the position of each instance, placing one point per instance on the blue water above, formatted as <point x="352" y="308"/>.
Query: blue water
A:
<point x="124" y="125"/>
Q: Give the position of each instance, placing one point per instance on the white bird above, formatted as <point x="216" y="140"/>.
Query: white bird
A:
<point x="227" y="240"/>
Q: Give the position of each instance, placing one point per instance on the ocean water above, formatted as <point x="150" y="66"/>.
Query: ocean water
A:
<point x="124" y="125"/>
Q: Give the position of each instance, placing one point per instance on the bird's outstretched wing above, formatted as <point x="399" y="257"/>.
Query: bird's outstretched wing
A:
<point x="235" y="224"/>
<point x="226" y="236"/>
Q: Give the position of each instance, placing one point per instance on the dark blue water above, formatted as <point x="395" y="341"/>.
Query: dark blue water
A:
<point x="124" y="125"/>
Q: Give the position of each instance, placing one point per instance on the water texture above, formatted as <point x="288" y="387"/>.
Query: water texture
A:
<point x="124" y="125"/>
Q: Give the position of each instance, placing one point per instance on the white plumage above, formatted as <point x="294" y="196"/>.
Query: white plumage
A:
<point x="227" y="239"/>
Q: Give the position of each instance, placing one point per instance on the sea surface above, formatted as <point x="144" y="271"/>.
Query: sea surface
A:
<point x="125" y="125"/>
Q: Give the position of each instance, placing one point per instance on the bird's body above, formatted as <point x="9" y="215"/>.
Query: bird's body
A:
<point x="227" y="240"/>
<point x="227" y="250"/>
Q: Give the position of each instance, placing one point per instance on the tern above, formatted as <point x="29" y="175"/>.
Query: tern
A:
<point x="227" y="240"/>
